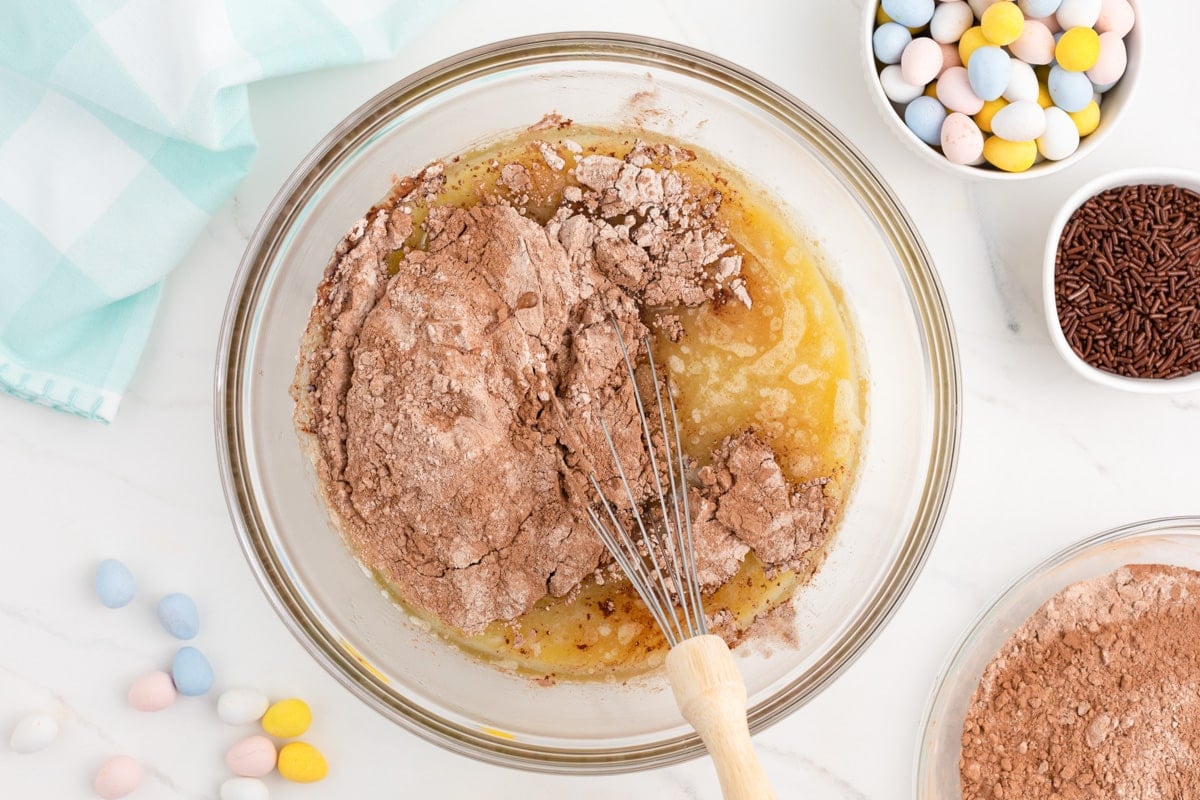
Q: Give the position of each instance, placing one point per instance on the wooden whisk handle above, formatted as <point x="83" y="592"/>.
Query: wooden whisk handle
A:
<point x="712" y="696"/>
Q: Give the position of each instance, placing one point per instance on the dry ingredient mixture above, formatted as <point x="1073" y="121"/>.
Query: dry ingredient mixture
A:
<point x="1097" y="695"/>
<point x="461" y="349"/>
<point x="1127" y="281"/>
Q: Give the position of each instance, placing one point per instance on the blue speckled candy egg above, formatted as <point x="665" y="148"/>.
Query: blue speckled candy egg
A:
<point x="989" y="71"/>
<point x="1070" y="91"/>
<point x="909" y="13"/>
<point x="889" y="41"/>
<point x="114" y="583"/>
<point x="1037" y="9"/>
<point x="179" y="616"/>
<point x="924" y="117"/>
<point x="192" y="673"/>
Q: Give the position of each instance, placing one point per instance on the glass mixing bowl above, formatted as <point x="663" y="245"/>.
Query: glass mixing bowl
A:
<point x="872" y="250"/>
<point x="1170" y="540"/>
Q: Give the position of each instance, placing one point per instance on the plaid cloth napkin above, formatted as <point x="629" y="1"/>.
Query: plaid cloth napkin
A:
<point x="123" y="125"/>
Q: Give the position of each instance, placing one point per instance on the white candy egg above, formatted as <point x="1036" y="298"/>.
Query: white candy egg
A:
<point x="244" y="789"/>
<point x="1078" y="13"/>
<point x="1022" y="83"/>
<point x="1022" y="121"/>
<point x="896" y="88"/>
<point x="33" y="733"/>
<point x="1061" y="137"/>
<point x="241" y="706"/>
<point x="950" y="21"/>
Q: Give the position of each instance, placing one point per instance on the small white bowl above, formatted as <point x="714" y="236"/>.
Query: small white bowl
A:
<point x="1127" y="177"/>
<point x="1116" y="100"/>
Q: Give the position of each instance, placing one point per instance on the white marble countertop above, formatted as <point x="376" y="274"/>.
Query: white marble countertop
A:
<point x="1046" y="457"/>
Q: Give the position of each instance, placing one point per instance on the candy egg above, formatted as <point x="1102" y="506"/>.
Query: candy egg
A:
<point x="1035" y="45"/>
<point x="240" y="706"/>
<point x="244" y="789"/>
<point x="290" y="718"/>
<point x="1043" y="98"/>
<point x="1022" y="121"/>
<point x="990" y="108"/>
<point x="950" y="21"/>
<point x="949" y="57"/>
<point x="33" y="733"/>
<point x="117" y="778"/>
<point x="154" y="691"/>
<point x="1022" y="83"/>
<point x="978" y="7"/>
<point x="300" y="762"/>
<point x="252" y="757"/>
<point x="910" y="13"/>
<point x="954" y="91"/>
<point x="1116" y="16"/>
<point x="924" y="117"/>
<point x="1035" y="9"/>
<point x="1009" y="156"/>
<point x="1078" y="13"/>
<point x="114" y="583"/>
<point x="1077" y="49"/>
<point x="1061" y="137"/>
<point x="889" y="41"/>
<point x="191" y="672"/>
<point x="1071" y="91"/>
<point x="1111" y="63"/>
<point x="1086" y="119"/>
<point x="962" y="142"/>
<point x="896" y="88"/>
<point x="1002" y="23"/>
<point x="179" y="616"/>
<point x="971" y="41"/>
<point x="988" y="71"/>
<point x="921" y="61"/>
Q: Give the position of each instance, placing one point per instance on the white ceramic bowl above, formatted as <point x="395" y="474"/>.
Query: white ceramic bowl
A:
<point x="1112" y="108"/>
<point x="1179" y="177"/>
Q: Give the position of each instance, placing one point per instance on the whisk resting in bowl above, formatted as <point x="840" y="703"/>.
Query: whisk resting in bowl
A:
<point x="660" y="563"/>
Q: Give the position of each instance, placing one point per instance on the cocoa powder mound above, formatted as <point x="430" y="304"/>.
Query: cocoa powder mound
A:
<point x="452" y="399"/>
<point x="1097" y="695"/>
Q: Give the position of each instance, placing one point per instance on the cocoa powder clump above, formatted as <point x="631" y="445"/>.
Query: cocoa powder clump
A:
<point x="1097" y="695"/>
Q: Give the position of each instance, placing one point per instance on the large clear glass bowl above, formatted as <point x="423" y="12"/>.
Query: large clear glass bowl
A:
<point x="1169" y="540"/>
<point x="827" y="187"/>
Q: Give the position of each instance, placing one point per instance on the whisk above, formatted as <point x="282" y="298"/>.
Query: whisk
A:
<point x="706" y="681"/>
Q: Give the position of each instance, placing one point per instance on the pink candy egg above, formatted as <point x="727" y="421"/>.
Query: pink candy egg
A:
<point x="1116" y="16"/>
<point x="921" y="61"/>
<point x="154" y="691"/>
<point x="955" y="93"/>
<point x="950" y="58"/>
<point x="117" y="778"/>
<point x="1051" y="23"/>
<point x="1110" y="66"/>
<point x="252" y="757"/>
<point x="962" y="141"/>
<point x="1035" y="45"/>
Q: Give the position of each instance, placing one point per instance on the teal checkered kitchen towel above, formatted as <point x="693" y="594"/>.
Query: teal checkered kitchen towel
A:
<point x="123" y="125"/>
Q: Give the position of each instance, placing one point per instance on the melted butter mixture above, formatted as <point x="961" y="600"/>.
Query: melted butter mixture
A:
<point x="786" y="367"/>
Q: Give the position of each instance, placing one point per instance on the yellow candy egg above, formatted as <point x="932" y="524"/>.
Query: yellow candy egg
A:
<point x="1043" y="99"/>
<point x="971" y="41"/>
<point x="1008" y="156"/>
<point x="287" y="718"/>
<point x="1087" y="119"/>
<point x="1002" y="23"/>
<point x="300" y="762"/>
<point x="1078" y="49"/>
<point x="984" y="118"/>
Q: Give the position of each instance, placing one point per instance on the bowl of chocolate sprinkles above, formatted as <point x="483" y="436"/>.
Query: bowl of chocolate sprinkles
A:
<point x="1122" y="280"/>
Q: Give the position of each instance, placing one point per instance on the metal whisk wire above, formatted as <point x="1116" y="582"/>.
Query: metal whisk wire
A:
<point x="676" y="542"/>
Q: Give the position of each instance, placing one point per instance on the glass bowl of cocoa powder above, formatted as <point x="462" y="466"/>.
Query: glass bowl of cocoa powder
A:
<point x="1081" y="680"/>
<point x="853" y="238"/>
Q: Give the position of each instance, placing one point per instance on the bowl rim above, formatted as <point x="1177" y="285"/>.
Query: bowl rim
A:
<point x="1188" y="179"/>
<point x="980" y="172"/>
<point x="964" y="642"/>
<point x="911" y="257"/>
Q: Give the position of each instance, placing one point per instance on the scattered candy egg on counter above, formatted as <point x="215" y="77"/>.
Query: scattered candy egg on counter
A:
<point x="33" y="733"/>
<point x="114" y="583"/>
<point x="179" y="616"/>
<point x="290" y="718"/>
<point x="191" y="672"/>
<point x="300" y="762"/>
<point x="244" y="789"/>
<point x="1008" y="76"/>
<point x="119" y="777"/>
<point x="154" y="691"/>
<point x="240" y="706"/>
<point x="252" y="757"/>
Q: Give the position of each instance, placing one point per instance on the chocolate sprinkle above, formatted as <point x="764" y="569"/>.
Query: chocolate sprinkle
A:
<point x="1127" y="281"/>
